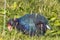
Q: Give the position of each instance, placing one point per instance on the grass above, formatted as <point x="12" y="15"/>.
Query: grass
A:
<point x="15" y="35"/>
<point x="49" y="8"/>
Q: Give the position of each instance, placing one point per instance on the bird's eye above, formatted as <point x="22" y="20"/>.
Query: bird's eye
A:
<point x="10" y="22"/>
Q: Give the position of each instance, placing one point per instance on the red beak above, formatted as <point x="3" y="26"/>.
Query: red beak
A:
<point x="9" y="27"/>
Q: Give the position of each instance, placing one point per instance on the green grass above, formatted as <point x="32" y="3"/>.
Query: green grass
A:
<point x="17" y="8"/>
<point x="15" y="35"/>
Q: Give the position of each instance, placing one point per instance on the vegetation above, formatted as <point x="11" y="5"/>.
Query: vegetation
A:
<point x="17" y="8"/>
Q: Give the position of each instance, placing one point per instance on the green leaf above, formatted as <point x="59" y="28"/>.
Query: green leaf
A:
<point x="52" y="19"/>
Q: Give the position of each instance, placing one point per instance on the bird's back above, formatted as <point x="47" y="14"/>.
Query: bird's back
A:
<point x="29" y="22"/>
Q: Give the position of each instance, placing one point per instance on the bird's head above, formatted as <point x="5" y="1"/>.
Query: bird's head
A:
<point x="11" y="23"/>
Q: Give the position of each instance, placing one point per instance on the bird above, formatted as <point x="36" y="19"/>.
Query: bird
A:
<point x="30" y="24"/>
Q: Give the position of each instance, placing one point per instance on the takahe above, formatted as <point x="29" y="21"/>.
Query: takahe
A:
<point x="30" y="24"/>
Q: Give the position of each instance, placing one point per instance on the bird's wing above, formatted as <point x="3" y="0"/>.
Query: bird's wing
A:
<point x="42" y="19"/>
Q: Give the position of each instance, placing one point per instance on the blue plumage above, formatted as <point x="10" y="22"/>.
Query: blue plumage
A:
<point x="30" y="23"/>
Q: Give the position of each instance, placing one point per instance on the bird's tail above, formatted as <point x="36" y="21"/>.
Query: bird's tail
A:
<point x="48" y="27"/>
